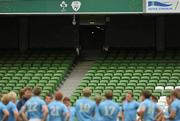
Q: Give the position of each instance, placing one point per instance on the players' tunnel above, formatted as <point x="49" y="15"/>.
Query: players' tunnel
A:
<point x="91" y="32"/>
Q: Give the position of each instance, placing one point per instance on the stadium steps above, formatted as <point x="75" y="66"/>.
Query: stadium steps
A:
<point x="73" y="80"/>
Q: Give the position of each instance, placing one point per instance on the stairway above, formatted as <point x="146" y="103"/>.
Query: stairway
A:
<point x="75" y="77"/>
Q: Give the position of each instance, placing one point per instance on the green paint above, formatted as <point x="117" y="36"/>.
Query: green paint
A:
<point x="53" y="6"/>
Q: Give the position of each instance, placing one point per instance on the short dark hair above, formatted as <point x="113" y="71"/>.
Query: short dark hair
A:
<point x="21" y="93"/>
<point x="178" y="92"/>
<point x="26" y="89"/>
<point x="66" y="99"/>
<point x="146" y="94"/>
<point x="49" y="96"/>
<point x="109" y="94"/>
<point x="37" y="91"/>
<point x="123" y="99"/>
<point x="130" y="93"/>
<point x="154" y="98"/>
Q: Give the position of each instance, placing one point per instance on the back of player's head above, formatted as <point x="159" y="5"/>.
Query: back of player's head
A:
<point x="5" y="99"/>
<point x="37" y="91"/>
<point x="175" y="93"/>
<point x="109" y="94"/>
<point x="146" y="94"/>
<point x="98" y="99"/>
<point x="87" y="92"/>
<point x="12" y="95"/>
<point x="58" y="96"/>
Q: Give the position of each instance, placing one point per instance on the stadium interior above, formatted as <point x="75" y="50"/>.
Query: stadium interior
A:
<point x="113" y="52"/>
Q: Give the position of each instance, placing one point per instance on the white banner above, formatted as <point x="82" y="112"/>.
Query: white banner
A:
<point x="162" y="6"/>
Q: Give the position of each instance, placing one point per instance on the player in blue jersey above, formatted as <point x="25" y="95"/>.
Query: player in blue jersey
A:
<point x="108" y="109"/>
<point x="57" y="110"/>
<point x="11" y="106"/>
<point x="48" y="99"/>
<point x="147" y="107"/>
<point x="3" y="109"/>
<point x="85" y="108"/>
<point x="97" y="116"/>
<point x="121" y="115"/>
<point x="71" y="110"/>
<point x="175" y="107"/>
<point x="129" y="108"/>
<point x="35" y="108"/>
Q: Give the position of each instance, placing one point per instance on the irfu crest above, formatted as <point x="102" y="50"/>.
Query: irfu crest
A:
<point x="76" y="5"/>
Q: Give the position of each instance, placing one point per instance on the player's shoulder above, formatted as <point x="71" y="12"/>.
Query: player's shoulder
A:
<point x="51" y="103"/>
<point x="116" y="104"/>
<point x="39" y="100"/>
<point x="82" y="100"/>
<point x="1" y="104"/>
<point x="135" y="102"/>
<point x="175" y="102"/>
<point x="10" y="104"/>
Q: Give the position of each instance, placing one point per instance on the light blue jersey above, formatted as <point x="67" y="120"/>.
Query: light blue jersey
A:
<point x="2" y="109"/>
<point x="85" y="109"/>
<point x="120" y="119"/>
<point x="130" y="110"/>
<point x="109" y="110"/>
<point x="150" y="109"/>
<point x="11" y="108"/>
<point x="34" y="107"/>
<point x="97" y="116"/>
<point x="175" y="106"/>
<point x="57" y="111"/>
<point x="72" y="112"/>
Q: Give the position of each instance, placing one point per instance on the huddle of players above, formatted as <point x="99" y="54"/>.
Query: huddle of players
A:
<point x="33" y="108"/>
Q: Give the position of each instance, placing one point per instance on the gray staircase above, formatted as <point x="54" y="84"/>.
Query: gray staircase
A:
<point x="75" y="77"/>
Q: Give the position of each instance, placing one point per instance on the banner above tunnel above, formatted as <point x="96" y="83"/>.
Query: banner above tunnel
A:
<point x="162" y="6"/>
<point x="71" y="6"/>
<point x="88" y="6"/>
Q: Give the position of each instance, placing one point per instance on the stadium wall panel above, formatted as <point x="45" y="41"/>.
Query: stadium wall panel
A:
<point x="8" y="32"/>
<point x="172" y="35"/>
<point x="51" y="32"/>
<point x="131" y="31"/>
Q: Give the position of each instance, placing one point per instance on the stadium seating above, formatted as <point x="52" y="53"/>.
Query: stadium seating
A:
<point x="132" y="72"/>
<point x="43" y="69"/>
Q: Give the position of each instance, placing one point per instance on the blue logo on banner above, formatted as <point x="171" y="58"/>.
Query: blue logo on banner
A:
<point x="158" y="4"/>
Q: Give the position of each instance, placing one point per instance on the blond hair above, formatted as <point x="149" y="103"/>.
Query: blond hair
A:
<point x="12" y="95"/>
<point x="87" y="92"/>
<point x="5" y="99"/>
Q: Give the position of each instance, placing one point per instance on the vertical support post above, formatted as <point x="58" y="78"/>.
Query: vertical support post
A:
<point x="107" y="33"/>
<point x="75" y="23"/>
